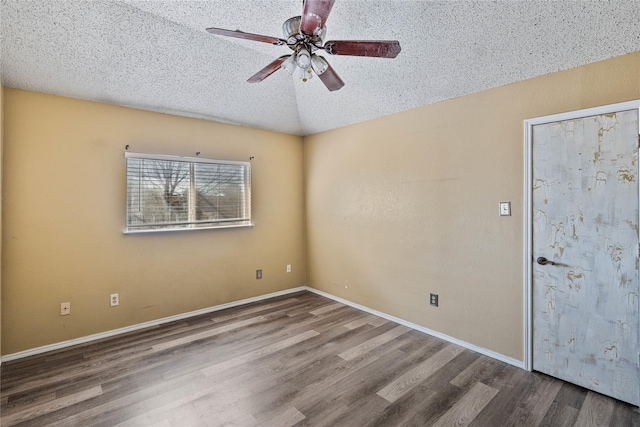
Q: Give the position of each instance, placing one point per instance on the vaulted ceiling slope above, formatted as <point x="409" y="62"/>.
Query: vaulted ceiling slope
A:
<point x="156" y="55"/>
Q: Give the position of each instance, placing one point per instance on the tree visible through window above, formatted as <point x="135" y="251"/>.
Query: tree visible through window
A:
<point x="168" y="193"/>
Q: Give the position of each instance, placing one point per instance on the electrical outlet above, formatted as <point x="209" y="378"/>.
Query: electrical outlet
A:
<point x="114" y="300"/>
<point x="288" y="268"/>
<point x="258" y="274"/>
<point x="65" y="308"/>
<point x="433" y="299"/>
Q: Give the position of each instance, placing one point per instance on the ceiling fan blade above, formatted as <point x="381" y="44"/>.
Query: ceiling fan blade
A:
<point x="246" y="36"/>
<point x="372" y="48"/>
<point x="331" y="79"/>
<point x="268" y="70"/>
<point x="314" y="15"/>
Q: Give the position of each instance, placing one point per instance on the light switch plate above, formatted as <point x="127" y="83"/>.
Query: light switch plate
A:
<point x="505" y="208"/>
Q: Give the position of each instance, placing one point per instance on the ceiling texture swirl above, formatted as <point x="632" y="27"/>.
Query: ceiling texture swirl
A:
<point x="156" y="55"/>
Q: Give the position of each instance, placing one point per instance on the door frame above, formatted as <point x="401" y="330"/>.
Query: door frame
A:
<point x="528" y="206"/>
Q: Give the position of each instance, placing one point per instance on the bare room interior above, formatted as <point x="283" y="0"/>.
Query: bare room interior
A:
<point x="389" y="268"/>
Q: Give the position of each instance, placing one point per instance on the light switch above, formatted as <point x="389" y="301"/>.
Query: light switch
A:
<point x="505" y="208"/>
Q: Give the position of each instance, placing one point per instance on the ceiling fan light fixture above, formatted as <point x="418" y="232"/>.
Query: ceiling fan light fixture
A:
<point x="319" y="64"/>
<point x="289" y="65"/>
<point x="303" y="59"/>
<point x="305" y="74"/>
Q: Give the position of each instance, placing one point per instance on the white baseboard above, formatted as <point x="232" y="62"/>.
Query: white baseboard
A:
<point x="486" y="352"/>
<point x="114" y="332"/>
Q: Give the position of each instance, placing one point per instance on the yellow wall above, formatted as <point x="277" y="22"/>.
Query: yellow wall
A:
<point x="406" y="205"/>
<point x="64" y="210"/>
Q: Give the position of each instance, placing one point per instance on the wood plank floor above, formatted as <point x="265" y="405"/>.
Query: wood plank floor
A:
<point x="296" y="360"/>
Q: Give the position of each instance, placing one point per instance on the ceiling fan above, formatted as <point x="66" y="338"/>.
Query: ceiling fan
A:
<point x="305" y="35"/>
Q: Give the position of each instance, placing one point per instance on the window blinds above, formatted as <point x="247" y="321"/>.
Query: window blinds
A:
<point x="169" y="193"/>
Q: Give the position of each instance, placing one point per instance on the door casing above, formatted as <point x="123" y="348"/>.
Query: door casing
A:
<point x="528" y="206"/>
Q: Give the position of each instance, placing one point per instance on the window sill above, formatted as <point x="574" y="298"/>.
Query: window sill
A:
<point x="171" y="230"/>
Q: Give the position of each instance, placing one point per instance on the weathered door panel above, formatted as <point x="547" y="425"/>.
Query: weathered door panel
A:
<point x="585" y="219"/>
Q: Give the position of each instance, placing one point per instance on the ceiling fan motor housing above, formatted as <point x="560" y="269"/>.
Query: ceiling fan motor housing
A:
<point x="295" y="38"/>
<point x="291" y="28"/>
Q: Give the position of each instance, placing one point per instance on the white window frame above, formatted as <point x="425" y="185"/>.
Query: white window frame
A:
<point x="192" y="223"/>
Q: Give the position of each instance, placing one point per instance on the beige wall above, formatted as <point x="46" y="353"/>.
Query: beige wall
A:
<point x="64" y="210"/>
<point x="396" y="208"/>
<point x="1" y="149"/>
<point x="408" y="204"/>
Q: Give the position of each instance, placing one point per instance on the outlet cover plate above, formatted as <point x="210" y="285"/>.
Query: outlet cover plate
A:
<point x="65" y="308"/>
<point x="433" y="299"/>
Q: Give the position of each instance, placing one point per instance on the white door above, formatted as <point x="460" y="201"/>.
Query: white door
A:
<point x="585" y="252"/>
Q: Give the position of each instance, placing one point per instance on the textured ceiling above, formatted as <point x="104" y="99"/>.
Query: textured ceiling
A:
<point x="156" y="55"/>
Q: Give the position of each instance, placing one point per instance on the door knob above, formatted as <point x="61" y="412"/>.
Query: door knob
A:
<point x="543" y="261"/>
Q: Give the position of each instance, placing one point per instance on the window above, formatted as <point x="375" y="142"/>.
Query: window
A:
<point x="182" y="193"/>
